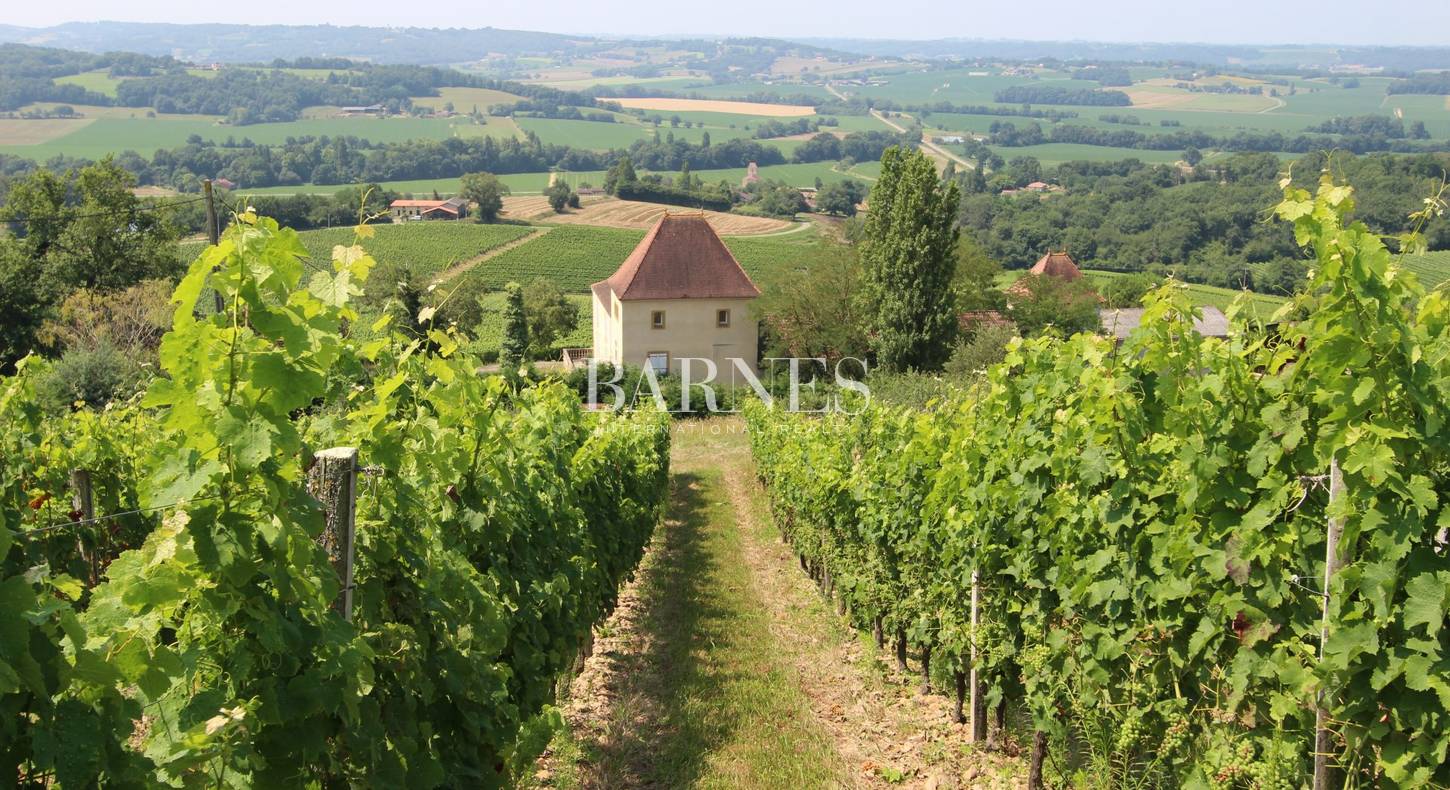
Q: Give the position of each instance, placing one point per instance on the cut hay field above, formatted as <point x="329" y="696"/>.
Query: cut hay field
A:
<point x="465" y="99"/>
<point x="612" y="213"/>
<point x="16" y="132"/>
<point x="1166" y="97"/>
<point x="717" y="106"/>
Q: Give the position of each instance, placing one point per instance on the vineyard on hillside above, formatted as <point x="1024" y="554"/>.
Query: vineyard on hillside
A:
<point x="199" y="630"/>
<point x="1186" y="561"/>
<point x="425" y="247"/>
<point x="570" y="257"/>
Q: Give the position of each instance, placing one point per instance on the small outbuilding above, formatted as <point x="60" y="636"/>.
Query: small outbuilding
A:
<point x="679" y="294"/>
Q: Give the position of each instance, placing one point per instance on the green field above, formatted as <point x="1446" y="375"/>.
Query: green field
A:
<point x="592" y="135"/>
<point x="796" y="175"/>
<point x="1052" y="154"/>
<point x="99" y="81"/>
<point x="656" y="83"/>
<point x="572" y="257"/>
<point x="518" y="184"/>
<point x="147" y="135"/>
<point x="735" y="90"/>
<point x="958" y="86"/>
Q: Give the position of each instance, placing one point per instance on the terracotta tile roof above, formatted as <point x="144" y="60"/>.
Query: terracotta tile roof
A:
<point x="1057" y="264"/>
<point x="681" y="258"/>
<point x="975" y="319"/>
<point x="416" y="203"/>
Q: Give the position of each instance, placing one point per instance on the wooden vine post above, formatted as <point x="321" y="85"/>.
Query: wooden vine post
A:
<point x="978" y="704"/>
<point x="83" y="503"/>
<point x="333" y="482"/>
<point x="1332" y="561"/>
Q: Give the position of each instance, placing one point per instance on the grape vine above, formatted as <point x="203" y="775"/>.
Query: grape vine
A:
<point x="1148" y="523"/>
<point x="494" y="527"/>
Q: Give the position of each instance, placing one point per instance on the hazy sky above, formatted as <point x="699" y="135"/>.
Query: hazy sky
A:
<point x="1423" y="22"/>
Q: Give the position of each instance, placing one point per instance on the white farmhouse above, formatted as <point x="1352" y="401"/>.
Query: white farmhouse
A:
<point x="679" y="294"/>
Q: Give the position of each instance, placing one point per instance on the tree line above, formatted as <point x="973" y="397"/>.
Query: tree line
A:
<point x="241" y="94"/>
<point x="1358" y="135"/>
<point x="1201" y="226"/>
<point x="1053" y="94"/>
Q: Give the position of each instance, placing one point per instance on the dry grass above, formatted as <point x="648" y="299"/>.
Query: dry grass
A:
<point x="18" y="132"/>
<point x="465" y="99"/>
<point x="154" y="192"/>
<point x="92" y="111"/>
<point x="710" y="105"/>
<point x="613" y="213"/>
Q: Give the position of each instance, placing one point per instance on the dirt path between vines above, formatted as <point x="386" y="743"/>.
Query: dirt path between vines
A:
<point x="724" y="667"/>
<point x="459" y="268"/>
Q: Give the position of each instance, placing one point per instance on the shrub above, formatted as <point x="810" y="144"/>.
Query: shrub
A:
<point x="985" y="348"/>
<point x="94" y="376"/>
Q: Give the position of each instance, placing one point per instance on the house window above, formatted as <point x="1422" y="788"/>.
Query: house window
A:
<point x="722" y="318"/>
<point x="657" y="319"/>
<point x="660" y="361"/>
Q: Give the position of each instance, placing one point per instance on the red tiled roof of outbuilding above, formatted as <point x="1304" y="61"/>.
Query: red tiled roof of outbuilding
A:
<point x="1057" y="264"/>
<point x="681" y="258"/>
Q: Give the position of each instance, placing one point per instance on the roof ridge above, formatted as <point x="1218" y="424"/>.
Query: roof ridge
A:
<point x="679" y="260"/>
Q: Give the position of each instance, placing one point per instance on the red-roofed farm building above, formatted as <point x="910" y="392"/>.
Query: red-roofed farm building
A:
<point x="679" y="294"/>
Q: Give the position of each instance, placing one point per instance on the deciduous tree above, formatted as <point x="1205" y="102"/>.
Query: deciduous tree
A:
<point x="486" y="193"/>
<point x="909" y="259"/>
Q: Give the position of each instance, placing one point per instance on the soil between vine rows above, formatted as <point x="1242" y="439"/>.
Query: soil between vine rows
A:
<point x="724" y="667"/>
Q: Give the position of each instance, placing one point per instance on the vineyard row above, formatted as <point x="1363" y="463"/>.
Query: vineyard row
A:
<point x="1185" y="561"/>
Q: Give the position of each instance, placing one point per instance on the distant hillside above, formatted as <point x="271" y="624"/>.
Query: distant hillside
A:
<point x="260" y="43"/>
<point x="1287" y="55"/>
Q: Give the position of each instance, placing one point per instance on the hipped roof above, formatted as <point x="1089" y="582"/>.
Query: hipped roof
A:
<point x="1057" y="264"/>
<point x="681" y="258"/>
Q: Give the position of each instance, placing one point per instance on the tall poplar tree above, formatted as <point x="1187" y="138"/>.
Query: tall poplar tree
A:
<point x="909" y="257"/>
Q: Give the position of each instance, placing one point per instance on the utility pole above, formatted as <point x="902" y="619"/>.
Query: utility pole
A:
<point x="212" y="231"/>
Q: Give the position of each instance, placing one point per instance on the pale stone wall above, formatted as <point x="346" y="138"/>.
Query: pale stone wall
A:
<point x="690" y="331"/>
